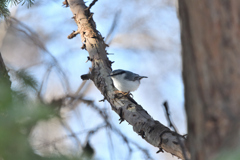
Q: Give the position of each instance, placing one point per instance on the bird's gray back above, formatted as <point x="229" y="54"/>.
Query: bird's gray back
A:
<point x="131" y="76"/>
<point x="117" y="72"/>
<point x="128" y="75"/>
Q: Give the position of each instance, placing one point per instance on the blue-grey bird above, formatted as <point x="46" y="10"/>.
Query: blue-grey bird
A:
<point x="126" y="81"/>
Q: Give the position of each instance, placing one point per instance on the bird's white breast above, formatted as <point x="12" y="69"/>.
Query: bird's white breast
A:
<point x="125" y="85"/>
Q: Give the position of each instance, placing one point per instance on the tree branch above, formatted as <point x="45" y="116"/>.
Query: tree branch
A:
<point x="152" y="131"/>
<point x="165" y="104"/>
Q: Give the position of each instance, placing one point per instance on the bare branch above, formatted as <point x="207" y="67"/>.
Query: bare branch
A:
<point x="165" y="104"/>
<point x="184" y="148"/>
<point x="114" y="24"/>
<point x="68" y="128"/>
<point x="151" y="130"/>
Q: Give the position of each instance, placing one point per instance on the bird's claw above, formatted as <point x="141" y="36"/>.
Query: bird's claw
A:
<point x="124" y="93"/>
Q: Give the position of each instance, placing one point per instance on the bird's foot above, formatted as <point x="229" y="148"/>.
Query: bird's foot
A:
<point x="123" y="93"/>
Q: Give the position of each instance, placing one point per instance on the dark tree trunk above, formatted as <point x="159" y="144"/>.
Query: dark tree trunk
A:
<point x="211" y="73"/>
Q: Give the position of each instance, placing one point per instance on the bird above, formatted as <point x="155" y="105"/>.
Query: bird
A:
<point x="125" y="81"/>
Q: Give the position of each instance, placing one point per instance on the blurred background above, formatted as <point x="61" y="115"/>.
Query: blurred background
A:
<point x="143" y="37"/>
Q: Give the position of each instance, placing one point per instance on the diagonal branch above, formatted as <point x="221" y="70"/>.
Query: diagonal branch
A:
<point x="151" y="130"/>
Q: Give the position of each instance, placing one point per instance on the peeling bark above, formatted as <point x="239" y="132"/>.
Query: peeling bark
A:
<point x="152" y="131"/>
<point x="211" y="72"/>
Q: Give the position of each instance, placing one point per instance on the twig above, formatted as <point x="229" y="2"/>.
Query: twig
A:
<point x="68" y="128"/>
<point x="165" y="104"/>
<point x="73" y="34"/>
<point x="90" y="6"/>
<point x="45" y="77"/>
<point x="114" y="24"/>
<point x="128" y="141"/>
<point x="90" y="132"/>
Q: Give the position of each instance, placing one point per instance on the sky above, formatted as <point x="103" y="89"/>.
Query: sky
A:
<point x="146" y="40"/>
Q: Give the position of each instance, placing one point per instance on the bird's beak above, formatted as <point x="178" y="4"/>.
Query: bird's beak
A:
<point x="142" y="77"/>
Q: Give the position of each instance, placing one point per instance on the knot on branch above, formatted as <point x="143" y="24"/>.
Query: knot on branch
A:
<point x="83" y="46"/>
<point x="141" y="133"/>
<point x="121" y="119"/>
<point x="89" y="59"/>
<point x="164" y="140"/>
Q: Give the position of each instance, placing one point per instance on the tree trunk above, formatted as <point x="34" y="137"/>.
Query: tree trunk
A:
<point x="211" y="72"/>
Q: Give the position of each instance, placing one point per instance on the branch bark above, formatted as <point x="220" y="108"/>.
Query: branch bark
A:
<point x="151" y="130"/>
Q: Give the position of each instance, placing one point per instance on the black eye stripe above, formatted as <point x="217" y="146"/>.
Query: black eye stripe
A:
<point x="118" y="73"/>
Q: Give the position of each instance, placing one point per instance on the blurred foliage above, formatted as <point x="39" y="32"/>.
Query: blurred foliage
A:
<point x="17" y="117"/>
<point x="5" y="84"/>
<point x="26" y="80"/>
<point x="4" y="12"/>
<point x="229" y="155"/>
<point x="88" y="152"/>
